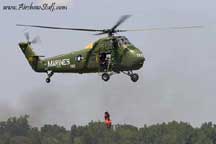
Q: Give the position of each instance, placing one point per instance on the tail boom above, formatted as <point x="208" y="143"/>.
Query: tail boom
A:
<point x="31" y="57"/>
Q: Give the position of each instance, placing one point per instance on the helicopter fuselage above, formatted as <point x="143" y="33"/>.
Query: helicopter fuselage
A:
<point x="123" y="57"/>
<point x="110" y="54"/>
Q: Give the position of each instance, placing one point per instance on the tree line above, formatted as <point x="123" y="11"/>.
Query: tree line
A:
<point x="17" y="130"/>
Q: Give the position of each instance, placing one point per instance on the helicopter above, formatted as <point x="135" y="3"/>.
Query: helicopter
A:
<point x="107" y="56"/>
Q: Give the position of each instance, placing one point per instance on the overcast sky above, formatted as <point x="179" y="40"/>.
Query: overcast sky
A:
<point x="177" y="81"/>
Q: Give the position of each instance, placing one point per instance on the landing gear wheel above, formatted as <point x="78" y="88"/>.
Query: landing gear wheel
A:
<point x="134" y="77"/>
<point x="48" y="80"/>
<point x="105" y="76"/>
<point x="49" y="74"/>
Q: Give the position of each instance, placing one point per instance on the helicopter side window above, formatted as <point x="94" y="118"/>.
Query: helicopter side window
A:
<point x="120" y="43"/>
<point x="125" y="41"/>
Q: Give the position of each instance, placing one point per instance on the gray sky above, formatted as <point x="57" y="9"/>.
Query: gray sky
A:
<point x="177" y="81"/>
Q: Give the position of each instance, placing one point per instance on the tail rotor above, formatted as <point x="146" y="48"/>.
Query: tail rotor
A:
<point x="35" y="40"/>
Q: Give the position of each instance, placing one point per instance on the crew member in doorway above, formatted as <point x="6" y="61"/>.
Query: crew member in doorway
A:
<point x="108" y="121"/>
<point x="103" y="61"/>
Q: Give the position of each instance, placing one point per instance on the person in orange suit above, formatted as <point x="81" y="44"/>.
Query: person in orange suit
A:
<point x="108" y="121"/>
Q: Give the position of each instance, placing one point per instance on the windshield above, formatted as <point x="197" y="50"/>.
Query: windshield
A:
<point x="123" y="41"/>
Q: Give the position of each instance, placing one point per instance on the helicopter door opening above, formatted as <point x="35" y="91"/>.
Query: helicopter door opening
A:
<point x="105" y="60"/>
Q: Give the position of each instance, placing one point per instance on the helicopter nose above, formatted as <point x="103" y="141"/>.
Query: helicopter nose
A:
<point x="139" y="60"/>
<point x="134" y="58"/>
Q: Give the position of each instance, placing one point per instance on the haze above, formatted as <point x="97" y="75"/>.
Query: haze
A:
<point x="177" y="81"/>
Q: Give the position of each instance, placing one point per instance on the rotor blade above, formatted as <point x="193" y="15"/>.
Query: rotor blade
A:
<point x="120" y="21"/>
<point x="61" y="28"/>
<point x="27" y="36"/>
<point x="102" y="33"/>
<point x="165" y="28"/>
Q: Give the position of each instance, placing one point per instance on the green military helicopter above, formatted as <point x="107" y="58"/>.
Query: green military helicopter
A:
<point x="108" y="56"/>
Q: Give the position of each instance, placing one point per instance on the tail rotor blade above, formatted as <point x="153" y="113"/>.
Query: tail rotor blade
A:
<point x="36" y="40"/>
<point x="27" y="36"/>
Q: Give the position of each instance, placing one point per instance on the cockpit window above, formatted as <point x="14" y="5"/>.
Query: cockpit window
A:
<point x="123" y="41"/>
